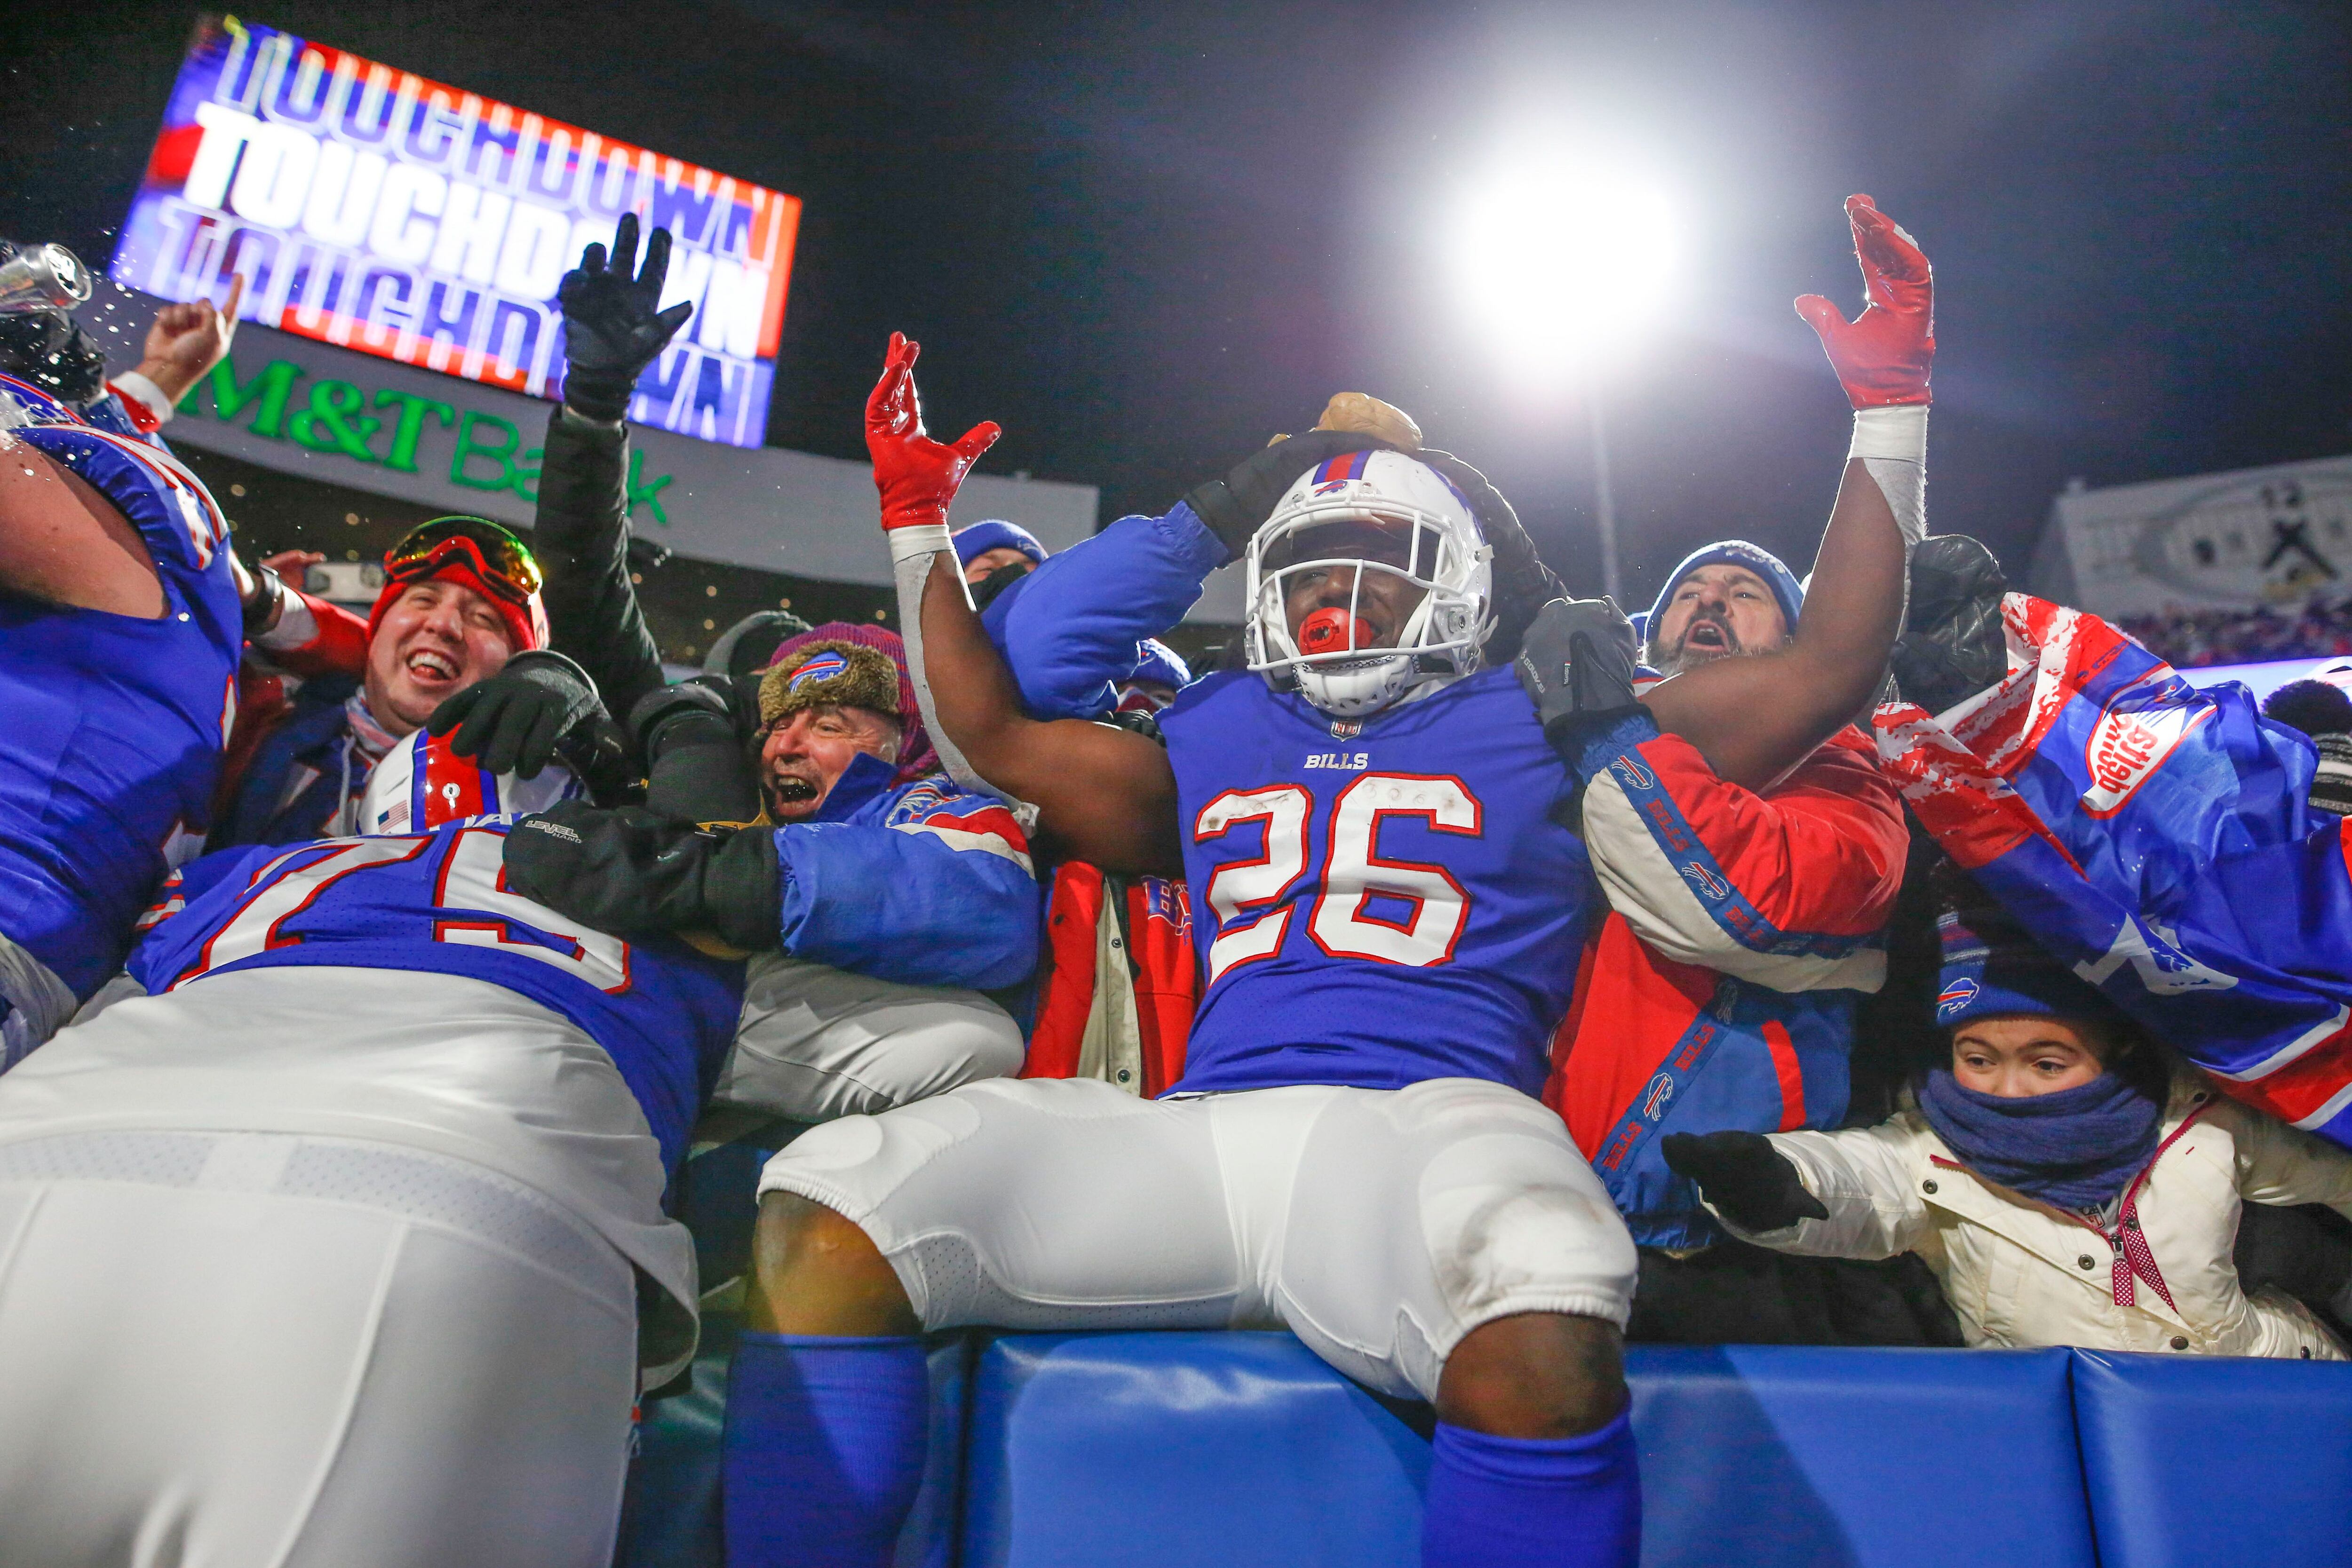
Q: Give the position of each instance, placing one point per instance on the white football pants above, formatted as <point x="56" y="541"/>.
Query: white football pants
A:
<point x="1379" y="1225"/>
<point x="247" y="1350"/>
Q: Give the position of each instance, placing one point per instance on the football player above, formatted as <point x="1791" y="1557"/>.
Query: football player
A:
<point x="345" y="1244"/>
<point x="391" y="1139"/>
<point x="123" y="612"/>
<point x="1371" y="820"/>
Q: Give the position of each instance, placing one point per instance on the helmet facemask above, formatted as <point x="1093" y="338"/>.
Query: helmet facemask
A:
<point x="1442" y="554"/>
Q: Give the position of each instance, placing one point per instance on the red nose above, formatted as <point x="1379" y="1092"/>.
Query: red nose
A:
<point x="1332" y="630"/>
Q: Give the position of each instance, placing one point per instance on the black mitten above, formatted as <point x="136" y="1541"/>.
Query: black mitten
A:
<point x="698" y="767"/>
<point x="635" y="873"/>
<point x="1750" y="1184"/>
<point x="2297" y="1252"/>
<point x="511" y="722"/>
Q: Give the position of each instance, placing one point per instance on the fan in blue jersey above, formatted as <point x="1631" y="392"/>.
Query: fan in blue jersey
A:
<point x="1370" y="819"/>
<point x="122" y="611"/>
<point x="348" y="1238"/>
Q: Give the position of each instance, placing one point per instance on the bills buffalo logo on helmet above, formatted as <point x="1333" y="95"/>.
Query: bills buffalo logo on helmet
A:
<point x="822" y="666"/>
<point x="1954" y="997"/>
<point x="1337" y="472"/>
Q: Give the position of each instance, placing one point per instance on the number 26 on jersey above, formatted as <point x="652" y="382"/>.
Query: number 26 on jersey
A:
<point x="1389" y="911"/>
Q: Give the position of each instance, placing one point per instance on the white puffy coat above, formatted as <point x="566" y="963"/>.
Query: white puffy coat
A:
<point x="2021" y="1273"/>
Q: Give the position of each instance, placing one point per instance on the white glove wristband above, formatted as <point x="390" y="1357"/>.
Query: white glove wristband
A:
<point x="1893" y="445"/>
<point x="924" y="540"/>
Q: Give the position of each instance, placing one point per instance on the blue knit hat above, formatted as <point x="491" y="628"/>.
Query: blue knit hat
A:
<point x="1992" y="968"/>
<point x="1162" y="664"/>
<point x="1735" y="552"/>
<point x="996" y="534"/>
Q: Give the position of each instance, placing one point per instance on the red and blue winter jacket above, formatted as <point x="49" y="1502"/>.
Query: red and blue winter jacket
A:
<point x="1718" y="993"/>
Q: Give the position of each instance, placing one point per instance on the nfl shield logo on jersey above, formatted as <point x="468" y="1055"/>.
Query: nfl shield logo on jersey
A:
<point x="1346" y="729"/>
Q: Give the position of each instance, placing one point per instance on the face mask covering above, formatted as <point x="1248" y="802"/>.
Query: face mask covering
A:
<point x="2077" y="1149"/>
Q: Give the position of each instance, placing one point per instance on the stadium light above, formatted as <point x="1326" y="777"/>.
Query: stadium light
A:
<point x="1561" y="260"/>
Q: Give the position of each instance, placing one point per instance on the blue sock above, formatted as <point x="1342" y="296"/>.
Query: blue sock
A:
<point x="825" y="1440"/>
<point x="1565" y="1502"/>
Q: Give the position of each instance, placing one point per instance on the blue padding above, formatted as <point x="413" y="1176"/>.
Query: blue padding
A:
<point x="1768" y="1455"/>
<point x="1243" y="1448"/>
<point x="2196" y="1460"/>
<point x="672" y="1517"/>
<point x="1180" y="1449"/>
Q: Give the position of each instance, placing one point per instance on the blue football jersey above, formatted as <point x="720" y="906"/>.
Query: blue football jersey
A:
<point x="438" y="901"/>
<point x="114" y="724"/>
<point x="1378" y="901"/>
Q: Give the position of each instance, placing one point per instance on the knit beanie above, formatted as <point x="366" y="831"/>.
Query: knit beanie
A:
<point x="780" y="693"/>
<point x="1993" y="967"/>
<point x="995" y="533"/>
<point x="1739" y="552"/>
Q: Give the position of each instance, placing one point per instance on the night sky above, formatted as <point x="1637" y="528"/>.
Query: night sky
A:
<point x="1145" y="237"/>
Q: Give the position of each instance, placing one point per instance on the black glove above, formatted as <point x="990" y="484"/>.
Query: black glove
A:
<point x="612" y="330"/>
<point x="1237" y="506"/>
<point x="1952" y="645"/>
<point x="1576" y="665"/>
<point x="511" y="722"/>
<point x="1523" y="583"/>
<point x="1750" y="1184"/>
<point x="695" y="753"/>
<point x="635" y="873"/>
<point x="2302" y="1254"/>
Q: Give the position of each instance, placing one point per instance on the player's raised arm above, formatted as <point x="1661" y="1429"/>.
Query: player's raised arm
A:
<point x="1753" y="719"/>
<point x="1105" y="795"/>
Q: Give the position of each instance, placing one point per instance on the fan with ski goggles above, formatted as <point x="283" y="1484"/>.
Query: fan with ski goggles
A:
<point x="503" y="563"/>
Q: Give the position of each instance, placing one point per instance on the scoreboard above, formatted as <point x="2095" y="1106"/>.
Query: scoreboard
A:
<point x="373" y="209"/>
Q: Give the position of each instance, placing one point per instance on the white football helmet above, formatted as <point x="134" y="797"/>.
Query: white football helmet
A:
<point x="421" y="786"/>
<point x="1446" y="560"/>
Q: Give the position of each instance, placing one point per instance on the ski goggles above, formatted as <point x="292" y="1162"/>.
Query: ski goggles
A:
<point x="504" y="563"/>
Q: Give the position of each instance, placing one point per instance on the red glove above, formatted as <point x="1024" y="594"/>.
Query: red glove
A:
<point x="1884" y="358"/>
<point x="917" y="476"/>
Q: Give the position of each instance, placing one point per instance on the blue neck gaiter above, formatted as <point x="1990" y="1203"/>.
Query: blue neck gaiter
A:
<point x="2077" y="1149"/>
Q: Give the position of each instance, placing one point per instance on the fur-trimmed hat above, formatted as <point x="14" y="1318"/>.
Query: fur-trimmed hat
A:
<point x="827" y="672"/>
<point x="917" y="756"/>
